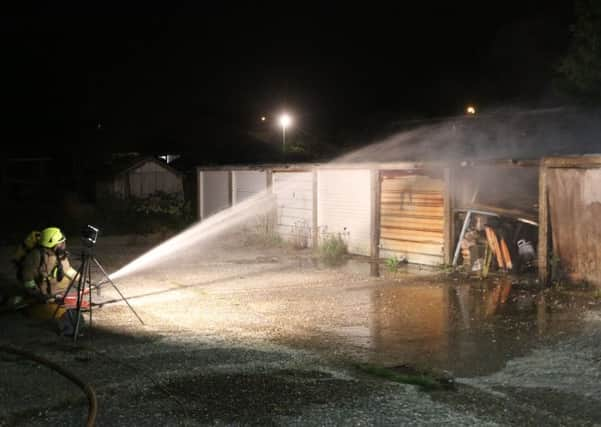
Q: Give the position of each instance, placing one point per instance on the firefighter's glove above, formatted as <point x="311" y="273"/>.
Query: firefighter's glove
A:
<point x="33" y="291"/>
<point x="59" y="273"/>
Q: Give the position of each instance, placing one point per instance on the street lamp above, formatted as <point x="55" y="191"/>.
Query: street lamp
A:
<point x="285" y="121"/>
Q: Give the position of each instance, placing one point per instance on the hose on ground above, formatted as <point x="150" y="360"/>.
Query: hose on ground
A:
<point x="87" y="389"/>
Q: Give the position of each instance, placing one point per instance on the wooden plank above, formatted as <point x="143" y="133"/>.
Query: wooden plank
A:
<point x="408" y="186"/>
<point x="414" y="258"/>
<point x="413" y="235"/>
<point x="406" y="246"/>
<point x="506" y="254"/>
<point x="410" y="191"/>
<point x="409" y="195"/>
<point x="493" y="242"/>
<point x="413" y="204"/>
<point x="375" y="223"/>
<point x="412" y="223"/>
<point x="511" y="213"/>
<point x="314" y="229"/>
<point x="412" y="217"/>
<point x="419" y="210"/>
<point x="417" y="230"/>
<point x="585" y="162"/>
<point x="543" y="226"/>
<point x="448" y="226"/>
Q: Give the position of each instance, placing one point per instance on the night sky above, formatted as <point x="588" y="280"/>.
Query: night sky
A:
<point x="198" y="78"/>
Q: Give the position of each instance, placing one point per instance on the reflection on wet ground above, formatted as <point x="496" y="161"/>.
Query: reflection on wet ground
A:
<point x="468" y="329"/>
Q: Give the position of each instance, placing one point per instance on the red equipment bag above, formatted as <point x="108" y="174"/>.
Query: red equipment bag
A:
<point x="70" y="300"/>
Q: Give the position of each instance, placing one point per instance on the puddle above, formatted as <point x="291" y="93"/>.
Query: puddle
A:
<point x="360" y="266"/>
<point x="469" y="329"/>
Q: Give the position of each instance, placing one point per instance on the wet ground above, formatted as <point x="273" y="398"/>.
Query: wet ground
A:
<point x="247" y="335"/>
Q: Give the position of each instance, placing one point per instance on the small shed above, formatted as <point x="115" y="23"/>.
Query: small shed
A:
<point x="141" y="177"/>
<point x="571" y="204"/>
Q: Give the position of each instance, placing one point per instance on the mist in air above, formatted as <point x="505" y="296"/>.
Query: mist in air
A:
<point x="503" y="135"/>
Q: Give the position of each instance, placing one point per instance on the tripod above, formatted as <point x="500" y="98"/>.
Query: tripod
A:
<point x="83" y="281"/>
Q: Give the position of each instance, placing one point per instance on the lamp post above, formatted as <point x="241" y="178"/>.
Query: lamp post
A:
<point x="285" y="121"/>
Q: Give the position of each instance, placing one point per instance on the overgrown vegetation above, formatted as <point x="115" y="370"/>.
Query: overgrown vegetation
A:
<point x="333" y="249"/>
<point x="581" y="66"/>
<point x="157" y="212"/>
<point x="393" y="263"/>
<point x="301" y="235"/>
<point x="261" y="231"/>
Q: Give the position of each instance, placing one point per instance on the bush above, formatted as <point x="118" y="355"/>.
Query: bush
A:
<point x="301" y="235"/>
<point x="157" y="212"/>
<point x="333" y="249"/>
<point x="262" y="231"/>
<point x="392" y="264"/>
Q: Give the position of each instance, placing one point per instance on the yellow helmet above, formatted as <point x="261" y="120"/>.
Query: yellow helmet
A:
<point x="51" y="236"/>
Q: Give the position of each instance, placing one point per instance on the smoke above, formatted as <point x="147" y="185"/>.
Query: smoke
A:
<point x="505" y="134"/>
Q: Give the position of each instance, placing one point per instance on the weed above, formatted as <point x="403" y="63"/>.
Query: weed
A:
<point x="425" y="380"/>
<point x="333" y="249"/>
<point x="301" y="234"/>
<point x="392" y="264"/>
<point x="262" y="232"/>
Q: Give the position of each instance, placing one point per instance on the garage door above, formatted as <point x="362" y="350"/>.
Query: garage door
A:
<point x="214" y="192"/>
<point x="294" y="199"/>
<point x="247" y="184"/>
<point x="344" y="206"/>
<point x="412" y="217"/>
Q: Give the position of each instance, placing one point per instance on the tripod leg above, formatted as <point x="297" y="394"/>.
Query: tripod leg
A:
<point x="117" y="289"/>
<point x="81" y="285"/>
<point x="90" y="296"/>
<point x="76" y="277"/>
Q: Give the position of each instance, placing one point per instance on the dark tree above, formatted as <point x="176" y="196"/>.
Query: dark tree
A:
<point x="581" y="66"/>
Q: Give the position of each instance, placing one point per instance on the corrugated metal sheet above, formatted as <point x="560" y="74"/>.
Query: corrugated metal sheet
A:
<point x="247" y="183"/>
<point x="412" y="218"/>
<point x="575" y="210"/>
<point x="215" y="192"/>
<point x="294" y="198"/>
<point x="344" y="206"/>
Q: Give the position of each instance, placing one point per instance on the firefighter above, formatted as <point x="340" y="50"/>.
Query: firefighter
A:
<point x="45" y="270"/>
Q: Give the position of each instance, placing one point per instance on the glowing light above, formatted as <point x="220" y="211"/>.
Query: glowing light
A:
<point x="263" y="118"/>
<point x="285" y="120"/>
<point x="471" y="110"/>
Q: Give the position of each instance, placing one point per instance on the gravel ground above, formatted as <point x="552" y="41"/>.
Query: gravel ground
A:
<point x="237" y="335"/>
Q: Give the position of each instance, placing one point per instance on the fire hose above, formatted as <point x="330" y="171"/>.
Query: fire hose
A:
<point x="87" y="389"/>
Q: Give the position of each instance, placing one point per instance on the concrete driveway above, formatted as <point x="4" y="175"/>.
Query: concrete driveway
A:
<point x="237" y="335"/>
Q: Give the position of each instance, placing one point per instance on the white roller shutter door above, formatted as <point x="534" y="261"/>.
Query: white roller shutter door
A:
<point x="294" y="198"/>
<point x="344" y="206"/>
<point x="247" y="183"/>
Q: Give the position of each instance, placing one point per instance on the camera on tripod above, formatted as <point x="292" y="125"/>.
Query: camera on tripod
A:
<point x="82" y="282"/>
<point x="89" y="235"/>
